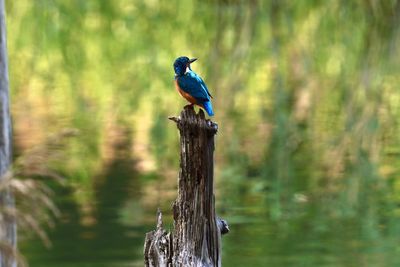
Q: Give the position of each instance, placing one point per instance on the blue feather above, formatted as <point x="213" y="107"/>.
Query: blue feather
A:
<point x="192" y="84"/>
<point x="208" y="107"/>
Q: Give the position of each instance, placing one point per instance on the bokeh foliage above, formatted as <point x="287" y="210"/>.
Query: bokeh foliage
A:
<point x="303" y="88"/>
<point x="305" y="94"/>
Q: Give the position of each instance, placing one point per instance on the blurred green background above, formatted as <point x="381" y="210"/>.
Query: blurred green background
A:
<point x="306" y="95"/>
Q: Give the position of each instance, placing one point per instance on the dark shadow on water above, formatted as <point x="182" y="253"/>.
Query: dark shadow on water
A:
<point x="100" y="237"/>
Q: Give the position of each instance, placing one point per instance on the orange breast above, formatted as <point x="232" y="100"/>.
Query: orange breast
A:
<point x="184" y="94"/>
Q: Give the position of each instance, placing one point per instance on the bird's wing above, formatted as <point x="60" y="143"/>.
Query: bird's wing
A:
<point x="192" y="84"/>
<point x="205" y="86"/>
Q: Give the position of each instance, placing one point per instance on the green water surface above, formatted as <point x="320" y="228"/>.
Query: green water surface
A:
<point x="307" y="101"/>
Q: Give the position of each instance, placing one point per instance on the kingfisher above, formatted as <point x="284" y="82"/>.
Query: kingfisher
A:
<point x="191" y="86"/>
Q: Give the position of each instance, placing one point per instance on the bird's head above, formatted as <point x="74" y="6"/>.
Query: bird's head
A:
<point x="182" y="64"/>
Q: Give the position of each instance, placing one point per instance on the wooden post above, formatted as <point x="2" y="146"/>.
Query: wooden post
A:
<point x="196" y="240"/>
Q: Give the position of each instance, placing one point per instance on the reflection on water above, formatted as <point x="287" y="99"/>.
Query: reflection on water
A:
<point x="306" y="97"/>
<point x="116" y="237"/>
<point x="102" y="232"/>
<point x="309" y="239"/>
<point x="110" y="232"/>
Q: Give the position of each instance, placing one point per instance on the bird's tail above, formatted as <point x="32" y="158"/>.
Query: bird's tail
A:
<point x="208" y="107"/>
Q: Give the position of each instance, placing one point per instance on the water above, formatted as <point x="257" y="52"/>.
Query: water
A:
<point x="307" y="101"/>
<point x="111" y="231"/>
<point x="109" y="235"/>
<point x="114" y="237"/>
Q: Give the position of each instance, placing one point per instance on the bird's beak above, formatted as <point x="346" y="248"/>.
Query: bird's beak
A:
<point x="192" y="60"/>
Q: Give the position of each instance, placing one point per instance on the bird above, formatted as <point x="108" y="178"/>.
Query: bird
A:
<point x="191" y="86"/>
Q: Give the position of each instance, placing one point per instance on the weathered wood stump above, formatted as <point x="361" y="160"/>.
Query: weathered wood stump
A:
<point x="196" y="239"/>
